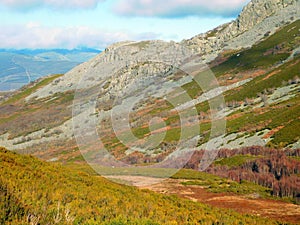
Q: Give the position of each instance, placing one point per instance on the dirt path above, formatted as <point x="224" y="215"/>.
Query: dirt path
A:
<point x="243" y="204"/>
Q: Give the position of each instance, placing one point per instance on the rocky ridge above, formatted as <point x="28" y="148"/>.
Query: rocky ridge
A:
<point x="257" y="18"/>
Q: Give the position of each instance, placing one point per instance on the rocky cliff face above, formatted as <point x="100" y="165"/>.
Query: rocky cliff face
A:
<point x="256" y="19"/>
<point x="125" y="55"/>
<point x="257" y="11"/>
<point x="254" y="13"/>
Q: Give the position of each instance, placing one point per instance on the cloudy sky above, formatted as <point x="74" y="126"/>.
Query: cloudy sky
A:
<point x="98" y="23"/>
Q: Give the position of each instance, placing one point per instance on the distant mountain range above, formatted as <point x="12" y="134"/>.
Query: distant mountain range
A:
<point x="19" y="67"/>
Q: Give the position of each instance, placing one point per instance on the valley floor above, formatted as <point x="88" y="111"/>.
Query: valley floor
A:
<point x="245" y="204"/>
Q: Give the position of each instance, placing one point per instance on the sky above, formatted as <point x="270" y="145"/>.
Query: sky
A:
<point x="98" y="23"/>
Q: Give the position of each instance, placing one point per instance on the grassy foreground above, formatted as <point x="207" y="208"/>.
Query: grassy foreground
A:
<point x="36" y="192"/>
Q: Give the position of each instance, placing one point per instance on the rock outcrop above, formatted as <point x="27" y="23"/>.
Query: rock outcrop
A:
<point x="257" y="18"/>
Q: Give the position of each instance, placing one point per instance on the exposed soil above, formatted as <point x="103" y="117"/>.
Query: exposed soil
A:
<point x="272" y="132"/>
<point x="245" y="204"/>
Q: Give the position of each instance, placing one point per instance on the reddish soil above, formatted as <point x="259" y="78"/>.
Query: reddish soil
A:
<point x="271" y="74"/>
<point x="227" y="79"/>
<point x="251" y="204"/>
<point x="272" y="132"/>
<point x="235" y="116"/>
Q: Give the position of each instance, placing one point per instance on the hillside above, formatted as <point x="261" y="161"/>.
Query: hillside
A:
<point x="259" y="84"/>
<point x="36" y="192"/>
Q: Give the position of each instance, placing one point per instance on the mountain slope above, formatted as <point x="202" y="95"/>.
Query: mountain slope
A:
<point x="263" y="78"/>
<point x="32" y="190"/>
<point x="259" y="83"/>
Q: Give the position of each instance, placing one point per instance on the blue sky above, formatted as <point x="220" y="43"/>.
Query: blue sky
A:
<point x="98" y="23"/>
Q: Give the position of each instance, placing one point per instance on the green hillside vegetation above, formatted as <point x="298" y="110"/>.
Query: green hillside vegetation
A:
<point x="236" y="160"/>
<point x="268" y="55"/>
<point x="35" y="191"/>
<point x="216" y="184"/>
<point x="34" y="115"/>
<point x="264" y="55"/>
<point x="277" y="78"/>
<point x="285" y="114"/>
<point x="26" y="91"/>
<point x="271" y="51"/>
<point x="289" y="37"/>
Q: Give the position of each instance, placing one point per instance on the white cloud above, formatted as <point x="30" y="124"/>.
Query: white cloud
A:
<point x="57" y="4"/>
<point x="179" y="8"/>
<point x="34" y="35"/>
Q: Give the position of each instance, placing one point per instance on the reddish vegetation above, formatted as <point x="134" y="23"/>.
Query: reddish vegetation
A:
<point x="228" y="79"/>
<point x="274" y="169"/>
<point x="32" y="116"/>
<point x="243" y="204"/>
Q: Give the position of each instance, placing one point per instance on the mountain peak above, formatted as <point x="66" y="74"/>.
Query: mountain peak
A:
<point x="258" y="10"/>
<point x="256" y="19"/>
